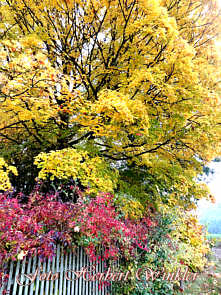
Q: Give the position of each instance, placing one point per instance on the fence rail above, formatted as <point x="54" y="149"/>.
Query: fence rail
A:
<point x="56" y="277"/>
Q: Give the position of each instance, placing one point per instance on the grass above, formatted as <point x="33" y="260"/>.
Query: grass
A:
<point x="214" y="236"/>
<point x="208" y="282"/>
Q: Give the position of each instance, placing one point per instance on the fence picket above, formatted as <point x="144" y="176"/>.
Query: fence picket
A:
<point x="43" y="275"/>
<point x="64" y="277"/>
<point x="10" y="279"/>
<point x="22" y="279"/>
<point x="27" y="281"/>
<point x="57" y="270"/>
<point x="80" y="266"/>
<point x="15" y="282"/>
<point x="69" y="268"/>
<point x="37" y="280"/>
<point x="48" y="280"/>
<point x="52" y="283"/>
<point x="61" y="271"/>
<point x="33" y="271"/>
<point x="76" y="268"/>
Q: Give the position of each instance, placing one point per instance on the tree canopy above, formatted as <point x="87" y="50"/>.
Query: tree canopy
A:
<point x="118" y="95"/>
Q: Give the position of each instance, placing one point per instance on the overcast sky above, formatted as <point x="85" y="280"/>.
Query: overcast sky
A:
<point x="215" y="188"/>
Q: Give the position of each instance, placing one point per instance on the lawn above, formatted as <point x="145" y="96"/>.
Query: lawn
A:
<point x="209" y="282"/>
<point x="214" y="236"/>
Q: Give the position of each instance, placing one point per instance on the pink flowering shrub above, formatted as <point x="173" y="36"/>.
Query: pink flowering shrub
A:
<point x="35" y="227"/>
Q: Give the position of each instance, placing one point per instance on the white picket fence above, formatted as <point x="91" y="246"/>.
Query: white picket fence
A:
<point x="54" y="277"/>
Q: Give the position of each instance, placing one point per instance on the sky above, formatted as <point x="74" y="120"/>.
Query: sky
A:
<point x="214" y="184"/>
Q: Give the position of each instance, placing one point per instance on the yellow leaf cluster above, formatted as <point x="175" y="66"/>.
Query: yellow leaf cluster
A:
<point x="130" y="207"/>
<point x="5" y="169"/>
<point x="72" y="163"/>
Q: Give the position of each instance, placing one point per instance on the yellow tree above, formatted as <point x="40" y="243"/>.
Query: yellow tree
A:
<point x="132" y="83"/>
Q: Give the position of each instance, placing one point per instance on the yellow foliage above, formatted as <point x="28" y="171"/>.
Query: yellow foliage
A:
<point x="192" y="238"/>
<point x="5" y="169"/>
<point x="71" y="163"/>
<point x="132" y="82"/>
<point x="130" y="207"/>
